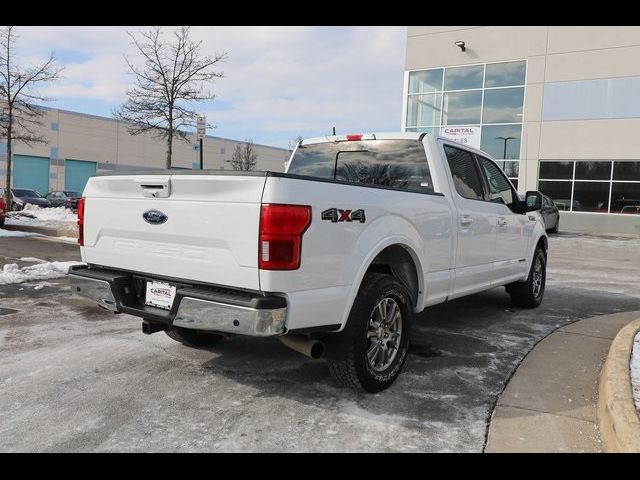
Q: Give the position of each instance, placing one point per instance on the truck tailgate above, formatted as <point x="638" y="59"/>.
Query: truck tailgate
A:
<point x="210" y="234"/>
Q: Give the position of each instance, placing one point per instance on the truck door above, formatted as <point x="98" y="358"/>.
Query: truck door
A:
<point x="475" y="226"/>
<point x="512" y="227"/>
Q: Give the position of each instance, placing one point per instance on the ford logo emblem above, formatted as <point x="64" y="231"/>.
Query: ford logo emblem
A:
<point x="155" y="217"/>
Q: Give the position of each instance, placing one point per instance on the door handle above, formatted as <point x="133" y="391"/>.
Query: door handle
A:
<point x="502" y="222"/>
<point x="466" y="220"/>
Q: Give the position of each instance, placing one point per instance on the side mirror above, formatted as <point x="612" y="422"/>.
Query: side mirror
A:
<point x="533" y="201"/>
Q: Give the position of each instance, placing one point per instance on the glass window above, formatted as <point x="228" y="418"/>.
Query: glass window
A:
<point x="511" y="169"/>
<point x="591" y="197"/>
<point x="514" y="181"/>
<point x="462" y="108"/>
<point x="505" y="74"/>
<point x="400" y="164"/>
<point x="560" y="192"/>
<point x="424" y="110"/>
<point x="593" y="170"/>
<point x="499" y="187"/>
<point x="560" y="170"/>
<point x="626" y="171"/>
<point x="625" y="197"/>
<point x="463" y="78"/>
<point x="464" y="173"/>
<point x="503" y="105"/>
<point x="501" y="141"/>
<point x="431" y="130"/>
<point x="427" y="81"/>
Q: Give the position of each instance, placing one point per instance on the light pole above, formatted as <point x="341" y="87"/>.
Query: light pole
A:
<point x="506" y="139"/>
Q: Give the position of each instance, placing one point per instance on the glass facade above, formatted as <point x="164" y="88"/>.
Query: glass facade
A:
<point x="598" y="186"/>
<point x="489" y="98"/>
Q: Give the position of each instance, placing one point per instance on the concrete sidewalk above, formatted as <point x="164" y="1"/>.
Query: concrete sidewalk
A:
<point x="550" y="403"/>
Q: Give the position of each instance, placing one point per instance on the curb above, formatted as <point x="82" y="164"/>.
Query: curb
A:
<point x="617" y="416"/>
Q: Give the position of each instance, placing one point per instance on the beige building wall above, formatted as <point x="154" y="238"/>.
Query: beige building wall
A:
<point x="77" y="136"/>
<point x="553" y="54"/>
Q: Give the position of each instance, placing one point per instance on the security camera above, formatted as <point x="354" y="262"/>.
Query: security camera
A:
<point x="461" y="45"/>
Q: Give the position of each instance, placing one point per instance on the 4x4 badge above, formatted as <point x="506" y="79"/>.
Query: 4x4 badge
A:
<point x="338" y="215"/>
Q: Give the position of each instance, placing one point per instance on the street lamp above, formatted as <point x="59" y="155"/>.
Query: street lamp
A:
<point x="506" y="139"/>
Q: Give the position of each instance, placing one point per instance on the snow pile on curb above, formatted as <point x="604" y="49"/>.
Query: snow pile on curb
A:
<point x="11" y="273"/>
<point x="635" y="371"/>
<point x="33" y="213"/>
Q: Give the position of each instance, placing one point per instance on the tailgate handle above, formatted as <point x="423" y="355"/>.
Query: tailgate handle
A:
<point x="154" y="187"/>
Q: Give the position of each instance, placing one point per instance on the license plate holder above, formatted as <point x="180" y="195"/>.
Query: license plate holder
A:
<point x="160" y="294"/>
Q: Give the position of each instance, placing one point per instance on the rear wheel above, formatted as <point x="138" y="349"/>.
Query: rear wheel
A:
<point x="528" y="294"/>
<point x="377" y="336"/>
<point x="2" y="222"/>
<point x="193" y="338"/>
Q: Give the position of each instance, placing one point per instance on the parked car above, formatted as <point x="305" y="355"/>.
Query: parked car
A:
<point x="332" y="257"/>
<point x="550" y="214"/>
<point x="631" y="209"/>
<point x="22" y="196"/>
<point x="3" y="211"/>
<point x="64" y="198"/>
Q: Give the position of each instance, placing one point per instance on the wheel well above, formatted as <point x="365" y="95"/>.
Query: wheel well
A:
<point x="543" y="244"/>
<point x="396" y="261"/>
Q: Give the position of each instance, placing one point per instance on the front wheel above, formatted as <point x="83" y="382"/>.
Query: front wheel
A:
<point x="528" y="294"/>
<point x="557" y="225"/>
<point x="377" y="336"/>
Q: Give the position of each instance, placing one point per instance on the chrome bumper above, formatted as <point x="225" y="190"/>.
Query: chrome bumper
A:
<point x="97" y="290"/>
<point x="113" y="291"/>
<point x="205" y="315"/>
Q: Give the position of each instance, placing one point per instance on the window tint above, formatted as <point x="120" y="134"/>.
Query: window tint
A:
<point x="499" y="187"/>
<point x="505" y="74"/>
<point x="461" y="108"/>
<point x="426" y="81"/>
<point x="462" y="78"/>
<point x="400" y="164"/>
<point x="625" y="196"/>
<point x="593" y="170"/>
<point x="560" y="192"/>
<point x="503" y="105"/>
<point x="556" y="170"/>
<point x="424" y="109"/>
<point x="464" y="172"/>
<point x="626" y="170"/>
<point x="590" y="197"/>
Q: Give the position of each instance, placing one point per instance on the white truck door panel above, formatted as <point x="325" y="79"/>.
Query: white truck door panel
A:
<point x="509" y="262"/>
<point x="476" y="224"/>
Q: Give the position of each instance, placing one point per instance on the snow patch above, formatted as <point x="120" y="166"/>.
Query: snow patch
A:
<point x="31" y="260"/>
<point x="635" y="371"/>
<point x="67" y="239"/>
<point x="11" y="273"/>
<point x="11" y="233"/>
<point x="57" y="214"/>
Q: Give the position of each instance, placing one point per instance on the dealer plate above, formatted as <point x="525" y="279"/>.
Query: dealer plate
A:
<point x="160" y="294"/>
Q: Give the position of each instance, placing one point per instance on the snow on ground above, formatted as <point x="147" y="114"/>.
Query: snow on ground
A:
<point x="11" y="233"/>
<point x="635" y="371"/>
<point x="11" y="273"/>
<point x="31" y="259"/>
<point x="36" y="216"/>
<point x="67" y="239"/>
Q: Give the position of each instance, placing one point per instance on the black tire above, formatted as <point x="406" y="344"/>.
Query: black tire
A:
<point x="193" y="338"/>
<point x="352" y="368"/>
<point x="527" y="294"/>
<point x="2" y="222"/>
<point x="557" y="225"/>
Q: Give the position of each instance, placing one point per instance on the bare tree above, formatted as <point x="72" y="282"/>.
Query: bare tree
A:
<point x="19" y="117"/>
<point x="174" y="76"/>
<point x="244" y="156"/>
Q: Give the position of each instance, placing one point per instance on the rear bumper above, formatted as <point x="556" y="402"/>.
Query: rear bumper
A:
<point x="194" y="307"/>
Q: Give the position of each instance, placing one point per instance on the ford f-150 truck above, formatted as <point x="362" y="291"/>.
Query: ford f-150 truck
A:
<point x="334" y="257"/>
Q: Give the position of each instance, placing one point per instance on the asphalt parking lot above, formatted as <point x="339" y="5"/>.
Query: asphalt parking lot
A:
<point x="74" y="377"/>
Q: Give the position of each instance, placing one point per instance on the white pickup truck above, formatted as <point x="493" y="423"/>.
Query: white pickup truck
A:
<point x="333" y="257"/>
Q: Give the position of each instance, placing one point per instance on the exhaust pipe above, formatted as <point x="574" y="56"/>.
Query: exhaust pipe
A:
<point x="305" y="345"/>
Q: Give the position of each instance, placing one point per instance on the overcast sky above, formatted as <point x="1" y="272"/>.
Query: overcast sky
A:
<point x="279" y="82"/>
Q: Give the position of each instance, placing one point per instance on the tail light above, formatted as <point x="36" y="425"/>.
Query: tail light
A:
<point x="81" y="221"/>
<point x="280" y="238"/>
